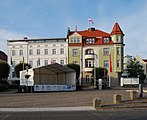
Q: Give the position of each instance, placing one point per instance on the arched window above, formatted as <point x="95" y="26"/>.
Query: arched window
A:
<point x="89" y="51"/>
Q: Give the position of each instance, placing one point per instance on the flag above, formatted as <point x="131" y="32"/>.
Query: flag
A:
<point x="51" y="61"/>
<point x="90" y="20"/>
<point x="110" y="63"/>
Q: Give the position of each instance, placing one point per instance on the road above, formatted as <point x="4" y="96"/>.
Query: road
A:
<point x="77" y="115"/>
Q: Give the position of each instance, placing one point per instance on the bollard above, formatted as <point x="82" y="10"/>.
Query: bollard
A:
<point x="96" y="102"/>
<point x="133" y="95"/>
<point x="140" y="91"/>
<point x="116" y="99"/>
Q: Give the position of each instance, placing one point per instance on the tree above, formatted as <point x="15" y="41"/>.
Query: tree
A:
<point x="135" y="69"/>
<point x="101" y="73"/>
<point x="76" y="68"/>
<point x="19" y="67"/>
<point x="4" y="70"/>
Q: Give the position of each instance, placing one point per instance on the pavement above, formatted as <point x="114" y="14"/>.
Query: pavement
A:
<point x="70" y="101"/>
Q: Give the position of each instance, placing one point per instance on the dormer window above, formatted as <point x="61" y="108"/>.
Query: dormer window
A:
<point x="74" y="40"/>
<point x="90" y="40"/>
<point x="106" y="39"/>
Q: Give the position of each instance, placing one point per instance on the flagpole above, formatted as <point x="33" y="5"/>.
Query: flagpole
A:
<point x="23" y="63"/>
<point x="88" y="22"/>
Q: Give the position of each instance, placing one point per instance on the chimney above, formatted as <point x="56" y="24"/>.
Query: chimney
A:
<point x="25" y="38"/>
<point x="91" y="29"/>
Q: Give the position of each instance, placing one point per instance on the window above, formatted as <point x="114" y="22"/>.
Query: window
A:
<point x="117" y="39"/>
<point x="30" y="52"/>
<point x="106" y="63"/>
<point x="106" y="51"/>
<point x="71" y="40"/>
<point x="46" y="51"/>
<point x="75" y="40"/>
<point x="38" y="51"/>
<point x="13" y="52"/>
<point x="106" y="40"/>
<point x="45" y="62"/>
<point x="118" y="63"/>
<point x="89" y="63"/>
<point x="87" y="78"/>
<point x="90" y="40"/>
<point x="62" y="51"/>
<point x="31" y="62"/>
<point x="78" y="40"/>
<point x="62" y="62"/>
<point x="38" y="45"/>
<point x="75" y="52"/>
<point x="46" y="45"/>
<point x="89" y="51"/>
<point x="87" y="41"/>
<point x="20" y="52"/>
<point x="53" y="61"/>
<point x="53" y="51"/>
<point x="118" y="50"/>
<point x="75" y="62"/>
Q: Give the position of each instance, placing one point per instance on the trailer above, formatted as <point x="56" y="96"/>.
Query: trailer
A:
<point x="129" y="81"/>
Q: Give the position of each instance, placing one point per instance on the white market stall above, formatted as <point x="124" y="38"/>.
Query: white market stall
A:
<point x="53" y="77"/>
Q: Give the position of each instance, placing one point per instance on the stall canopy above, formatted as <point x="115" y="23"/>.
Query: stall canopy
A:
<point x="54" y="74"/>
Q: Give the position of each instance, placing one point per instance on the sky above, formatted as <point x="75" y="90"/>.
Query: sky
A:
<point x="51" y="18"/>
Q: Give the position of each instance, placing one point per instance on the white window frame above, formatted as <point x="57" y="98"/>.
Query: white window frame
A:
<point x="46" y="51"/>
<point x="30" y="52"/>
<point x="21" y="52"/>
<point x="13" y="52"/>
<point x="106" y="63"/>
<point x="38" y="51"/>
<point x="75" y="52"/>
<point x="61" y="50"/>
<point x="106" y="51"/>
<point x="53" y="51"/>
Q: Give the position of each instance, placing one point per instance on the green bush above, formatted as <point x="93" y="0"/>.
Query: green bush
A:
<point x="3" y="85"/>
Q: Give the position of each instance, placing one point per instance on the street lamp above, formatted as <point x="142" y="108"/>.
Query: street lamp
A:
<point x="27" y="77"/>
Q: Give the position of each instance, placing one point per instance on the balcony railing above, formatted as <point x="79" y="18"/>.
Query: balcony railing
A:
<point x="88" y="69"/>
<point x="89" y="56"/>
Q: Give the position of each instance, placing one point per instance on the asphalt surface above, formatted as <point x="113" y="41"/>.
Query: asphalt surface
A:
<point x="11" y="99"/>
<point x="76" y="115"/>
<point x="71" y="105"/>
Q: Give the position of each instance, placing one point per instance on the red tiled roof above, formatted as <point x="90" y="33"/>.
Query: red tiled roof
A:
<point x="94" y="33"/>
<point x="116" y="29"/>
<point x="91" y="33"/>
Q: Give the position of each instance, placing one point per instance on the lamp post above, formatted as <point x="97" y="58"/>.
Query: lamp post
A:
<point x="140" y="88"/>
<point x="27" y="77"/>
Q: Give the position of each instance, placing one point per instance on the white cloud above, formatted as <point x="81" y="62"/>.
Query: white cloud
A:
<point x="5" y="35"/>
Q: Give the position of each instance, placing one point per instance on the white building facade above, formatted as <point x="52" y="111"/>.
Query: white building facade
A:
<point x="37" y="52"/>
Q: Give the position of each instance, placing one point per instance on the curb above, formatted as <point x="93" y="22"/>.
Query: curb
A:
<point x="84" y="108"/>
